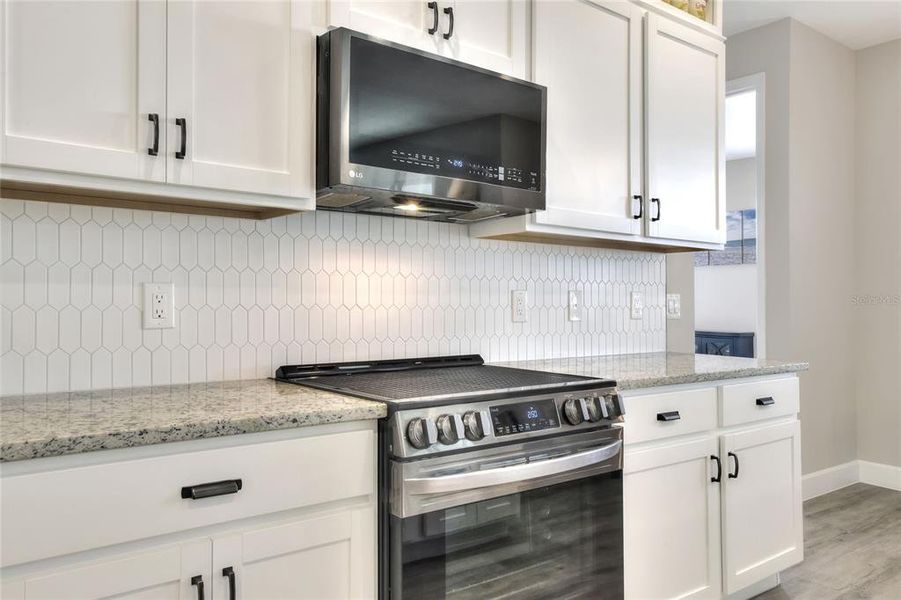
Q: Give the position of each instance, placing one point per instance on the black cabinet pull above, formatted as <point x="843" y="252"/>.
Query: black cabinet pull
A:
<point x="230" y="573"/>
<point x="434" y="27"/>
<point x="208" y="490"/>
<point x="183" y="123"/>
<point x="449" y="11"/>
<point x="672" y="415"/>
<point x="735" y="458"/>
<point x="768" y="401"/>
<point x="657" y="202"/>
<point x="155" y="119"/>
<point x="640" y="206"/>
<point x="198" y="581"/>
<point x="719" y="469"/>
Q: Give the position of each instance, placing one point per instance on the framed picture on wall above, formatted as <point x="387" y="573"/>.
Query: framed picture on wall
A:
<point x="741" y="242"/>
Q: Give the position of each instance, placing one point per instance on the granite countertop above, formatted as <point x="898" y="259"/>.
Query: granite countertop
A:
<point x="634" y="371"/>
<point x="43" y="425"/>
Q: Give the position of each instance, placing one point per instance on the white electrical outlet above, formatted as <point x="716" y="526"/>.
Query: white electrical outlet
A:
<point x="520" y="306"/>
<point x="159" y="305"/>
<point x="636" y="305"/>
<point x="574" y="312"/>
<point x="673" y="306"/>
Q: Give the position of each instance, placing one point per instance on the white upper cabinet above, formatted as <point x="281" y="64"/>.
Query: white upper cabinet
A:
<point x="240" y="96"/>
<point x="588" y="54"/>
<point x="492" y="34"/>
<point x="684" y="79"/>
<point x="405" y="22"/>
<point x="763" y="528"/>
<point x="80" y="83"/>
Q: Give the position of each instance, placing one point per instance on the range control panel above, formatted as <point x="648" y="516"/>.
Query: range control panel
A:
<point x="429" y="431"/>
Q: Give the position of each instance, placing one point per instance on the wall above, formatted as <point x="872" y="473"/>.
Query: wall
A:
<point x="253" y="295"/>
<point x="822" y="208"/>
<point x="876" y="298"/>
<point x="726" y="295"/>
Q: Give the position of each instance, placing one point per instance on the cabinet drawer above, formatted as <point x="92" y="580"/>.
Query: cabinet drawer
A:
<point x="655" y="416"/>
<point x="69" y="510"/>
<point x="758" y="400"/>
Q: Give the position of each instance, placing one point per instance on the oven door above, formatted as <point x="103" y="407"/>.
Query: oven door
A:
<point x="536" y="520"/>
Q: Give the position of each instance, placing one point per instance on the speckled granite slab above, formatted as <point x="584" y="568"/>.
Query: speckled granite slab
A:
<point x="68" y="423"/>
<point x="633" y="371"/>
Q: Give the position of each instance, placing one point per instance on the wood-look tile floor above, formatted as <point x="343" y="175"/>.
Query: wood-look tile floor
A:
<point x="852" y="548"/>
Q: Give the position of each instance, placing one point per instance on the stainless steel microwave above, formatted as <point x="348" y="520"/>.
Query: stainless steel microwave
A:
<point x="406" y="133"/>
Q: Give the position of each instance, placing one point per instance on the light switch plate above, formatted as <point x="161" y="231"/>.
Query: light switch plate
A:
<point x="636" y="305"/>
<point x="520" y="306"/>
<point x="574" y="310"/>
<point x="159" y="305"/>
<point x="673" y="306"/>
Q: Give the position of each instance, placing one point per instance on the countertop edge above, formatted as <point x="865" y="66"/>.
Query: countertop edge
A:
<point x="664" y="380"/>
<point x="114" y="440"/>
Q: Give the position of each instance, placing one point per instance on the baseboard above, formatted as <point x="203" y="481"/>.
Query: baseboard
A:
<point x="831" y="479"/>
<point x="887" y="476"/>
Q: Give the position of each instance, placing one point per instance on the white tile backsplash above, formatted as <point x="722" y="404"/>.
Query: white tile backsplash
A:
<point x="253" y="295"/>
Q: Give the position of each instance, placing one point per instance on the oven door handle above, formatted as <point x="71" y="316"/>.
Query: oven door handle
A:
<point x="503" y="475"/>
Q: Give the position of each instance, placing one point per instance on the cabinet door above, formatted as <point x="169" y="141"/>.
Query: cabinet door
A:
<point x="588" y="54"/>
<point x="672" y="521"/>
<point x="762" y="515"/>
<point x="492" y="34"/>
<point x="79" y="82"/>
<point x="402" y="21"/>
<point x="241" y="75"/>
<point x="160" y="574"/>
<point x="321" y="558"/>
<point x="684" y="79"/>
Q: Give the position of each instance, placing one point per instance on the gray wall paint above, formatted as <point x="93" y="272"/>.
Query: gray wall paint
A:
<point x="680" y="279"/>
<point x="878" y="260"/>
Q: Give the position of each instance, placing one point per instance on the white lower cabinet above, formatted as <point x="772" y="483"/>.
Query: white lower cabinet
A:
<point x="672" y="521"/>
<point x="332" y="556"/>
<point x="763" y="529"/>
<point x="300" y="524"/>
<point x="172" y="572"/>
<point x="708" y="514"/>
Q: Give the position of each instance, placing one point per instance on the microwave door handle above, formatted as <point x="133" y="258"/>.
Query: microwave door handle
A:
<point x="522" y="472"/>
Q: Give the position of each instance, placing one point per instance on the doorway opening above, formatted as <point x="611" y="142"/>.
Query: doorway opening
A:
<point x="730" y="284"/>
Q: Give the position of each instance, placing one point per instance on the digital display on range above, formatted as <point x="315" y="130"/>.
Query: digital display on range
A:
<point x="524" y="417"/>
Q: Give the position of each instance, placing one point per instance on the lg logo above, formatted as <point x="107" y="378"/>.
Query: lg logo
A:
<point x="355" y="174"/>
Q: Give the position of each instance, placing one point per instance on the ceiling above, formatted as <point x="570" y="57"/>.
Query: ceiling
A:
<point x="855" y="23"/>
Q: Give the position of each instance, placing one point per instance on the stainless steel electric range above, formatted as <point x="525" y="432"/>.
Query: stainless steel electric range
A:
<point x="495" y="482"/>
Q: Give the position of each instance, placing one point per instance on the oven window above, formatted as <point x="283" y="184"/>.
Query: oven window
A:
<point x="563" y="541"/>
<point x="413" y="113"/>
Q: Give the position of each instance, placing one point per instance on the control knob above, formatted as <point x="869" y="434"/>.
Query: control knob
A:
<point x="450" y="429"/>
<point x="614" y="404"/>
<point x="574" y="411"/>
<point x="476" y="425"/>
<point x="421" y="433"/>
<point x="596" y="408"/>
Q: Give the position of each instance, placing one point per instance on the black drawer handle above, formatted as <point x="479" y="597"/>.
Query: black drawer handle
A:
<point x="208" y="490"/>
<point x="183" y="124"/>
<point x="434" y="27"/>
<point x="768" y="401"/>
<point x="672" y="415"/>
<point x="640" y="206"/>
<point x="155" y="119"/>
<point x="719" y="469"/>
<point x="449" y="11"/>
<point x="734" y="457"/>
<point x="657" y="202"/>
<point x="198" y="581"/>
<point x="230" y="573"/>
